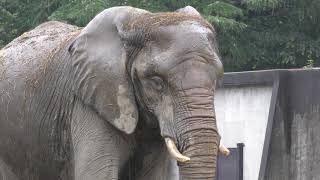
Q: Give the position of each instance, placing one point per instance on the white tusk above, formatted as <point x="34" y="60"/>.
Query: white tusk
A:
<point x="173" y="151"/>
<point x="223" y="150"/>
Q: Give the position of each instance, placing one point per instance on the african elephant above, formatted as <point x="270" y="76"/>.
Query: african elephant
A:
<point x="113" y="100"/>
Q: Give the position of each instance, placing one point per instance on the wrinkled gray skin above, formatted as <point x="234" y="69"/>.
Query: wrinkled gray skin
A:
<point x="96" y="103"/>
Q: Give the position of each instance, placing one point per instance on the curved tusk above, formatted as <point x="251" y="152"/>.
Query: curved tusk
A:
<point x="223" y="150"/>
<point x="173" y="151"/>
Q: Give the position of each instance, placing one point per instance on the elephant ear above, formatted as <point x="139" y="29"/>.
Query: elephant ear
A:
<point x="189" y="10"/>
<point x="99" y="68"/>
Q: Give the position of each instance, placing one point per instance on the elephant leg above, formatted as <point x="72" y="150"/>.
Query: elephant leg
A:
<point x="5" y="172"/>
<point x="100" y="151"/>
<point x="157" y="165"/>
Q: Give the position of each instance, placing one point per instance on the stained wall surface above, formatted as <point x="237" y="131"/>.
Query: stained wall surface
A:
<point x="294" y="149"/>
<point x="242" y="115"/>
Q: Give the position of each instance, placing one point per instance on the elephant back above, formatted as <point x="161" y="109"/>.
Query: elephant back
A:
<point x="33" y="49"/>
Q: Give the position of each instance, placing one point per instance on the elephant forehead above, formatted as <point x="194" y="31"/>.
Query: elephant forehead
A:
<point x="150" y="21"/>
<point x="189" y="36"/>
<point x="189" y="33"/>
<point x="192" y="27"/>
<point x="193" y="44"/>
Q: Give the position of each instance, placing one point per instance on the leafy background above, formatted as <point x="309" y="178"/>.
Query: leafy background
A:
<point x="252" y="34"/>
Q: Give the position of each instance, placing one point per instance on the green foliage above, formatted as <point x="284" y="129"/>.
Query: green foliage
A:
<point x="281" y="38"/>
<point x="252" y="34"/>
<point x="226" y="25"/>
<point x="18" y="16"/>
<point x="73" y="11"/>
<point x="223" y="9"/>
<point x="7" y="29"/>
<point x="263" y="5"/>
<point x="309" y="64"/>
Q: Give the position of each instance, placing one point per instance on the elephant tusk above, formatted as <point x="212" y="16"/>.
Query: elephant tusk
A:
<point x="173" y="151"/>
<point x="223" y="150"/>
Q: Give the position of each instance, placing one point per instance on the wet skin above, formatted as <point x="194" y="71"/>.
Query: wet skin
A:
<point x="97" y="103"/>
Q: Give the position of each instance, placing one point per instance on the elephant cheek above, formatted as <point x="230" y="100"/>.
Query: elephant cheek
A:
<point x="165" y="116"/>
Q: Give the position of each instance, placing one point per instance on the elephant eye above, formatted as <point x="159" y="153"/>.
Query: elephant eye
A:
<point x="157" y="83"/>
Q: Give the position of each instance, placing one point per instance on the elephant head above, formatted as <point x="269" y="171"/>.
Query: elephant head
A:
<point x="128" y="62"/>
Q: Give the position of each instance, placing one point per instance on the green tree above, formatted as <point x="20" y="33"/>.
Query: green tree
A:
<point x="78" y="12"/>
<point x="8" y="28"/>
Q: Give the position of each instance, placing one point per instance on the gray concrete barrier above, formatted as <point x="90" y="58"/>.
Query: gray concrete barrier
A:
<point x="276" y="114"/>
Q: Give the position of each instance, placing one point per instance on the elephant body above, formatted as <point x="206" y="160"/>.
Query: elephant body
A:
<point x="79" y="104"/>
<point x="23" y="63"/>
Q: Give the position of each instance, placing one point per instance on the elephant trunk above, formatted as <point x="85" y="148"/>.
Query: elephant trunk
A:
<point x="202" y="148"/>
<point x="197" y="137"/>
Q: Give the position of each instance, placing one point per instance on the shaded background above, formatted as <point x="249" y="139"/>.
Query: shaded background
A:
<point x="252" y="34"/>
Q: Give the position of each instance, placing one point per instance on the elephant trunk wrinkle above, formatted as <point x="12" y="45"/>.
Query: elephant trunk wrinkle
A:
<point x="197" y="135"/>
<point x="198" y="139"/>
<point x="189" y="124"/>
<point x="202" y="148"/>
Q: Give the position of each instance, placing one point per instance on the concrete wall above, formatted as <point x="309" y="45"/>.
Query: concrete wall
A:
<point x="294" y="148"/>
<point x="291" y="147"/>
<point x="242" y="116"/>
